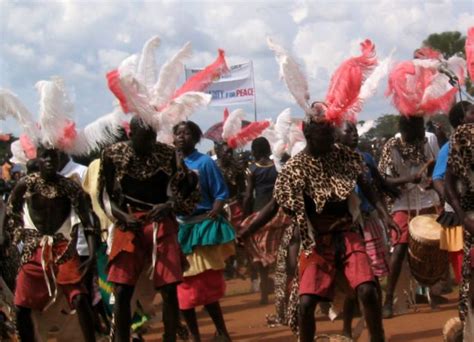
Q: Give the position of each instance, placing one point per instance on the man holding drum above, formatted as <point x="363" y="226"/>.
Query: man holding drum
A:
<point x="404" y="163"/>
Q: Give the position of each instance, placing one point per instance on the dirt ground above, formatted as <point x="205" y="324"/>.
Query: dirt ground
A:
<point x="246" y="320"/>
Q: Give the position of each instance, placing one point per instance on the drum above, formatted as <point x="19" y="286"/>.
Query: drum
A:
<point x="332" y="338"/>
<point x="452" y="330"/>
<point x="428" y="263"/>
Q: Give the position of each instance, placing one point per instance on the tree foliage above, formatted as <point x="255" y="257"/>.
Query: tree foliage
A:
<point x="449" y="43"/>
<point x="386" y="126"/>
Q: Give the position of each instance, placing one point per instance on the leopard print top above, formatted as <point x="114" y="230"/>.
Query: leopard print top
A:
<point x="329" y="178"/>
<point x="461" y="163"/>
<point x="162" y="158"/>
<point x="410" y="153"/>
<point x="62" y="187"/>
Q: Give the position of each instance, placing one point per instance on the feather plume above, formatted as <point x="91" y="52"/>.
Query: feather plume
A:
<point x="126" y="69"/>
<point x="226" y="115"/>
<point x="369" y="88"/>
<point x="203" y="79"/>
<point x="247" y="134"/>
<point x="18" y="154"/>
<point x="233" y="124"/>
<point x="55" y="119"/>
<point x="179" y="110"/>
<point x="291" y="73"/>
<point x="147" y="72"/>
<point x="28" y="146"/>
<point x="342" y="98"/>
<point x="418" y="88"/>
<point x="470" y="51"/>
<point x="11" y="105"/>
<point x="138" y="101"/>
<point x="458" y="66"/>
<point x="296" y="139"/>
<point x="427" y="52"/>
<point x="282" y="129"/>
<point x="170" y="72"/>
<point x="98" y="133"/>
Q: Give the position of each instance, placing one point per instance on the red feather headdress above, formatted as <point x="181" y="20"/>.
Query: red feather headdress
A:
<point x="470" y="52"/>
<point x="418" y="88"/>
<point x="342" y="99"/>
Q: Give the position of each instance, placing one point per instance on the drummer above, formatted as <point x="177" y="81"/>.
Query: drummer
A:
<point x="451" y="236"/>
<point x="402" y="163"/>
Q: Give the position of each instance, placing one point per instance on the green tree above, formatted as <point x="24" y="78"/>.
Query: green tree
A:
<point x="386" y="126"/>
<point x="449" y="43"/>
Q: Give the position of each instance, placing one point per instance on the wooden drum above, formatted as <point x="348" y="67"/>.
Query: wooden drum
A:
<point x="428" y="263"/>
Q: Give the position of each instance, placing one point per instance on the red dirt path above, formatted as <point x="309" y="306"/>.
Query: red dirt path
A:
<point x="246" y="320"/>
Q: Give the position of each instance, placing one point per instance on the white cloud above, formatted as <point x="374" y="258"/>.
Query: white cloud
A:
<point x="110" y="59"/>
<point x="81" y="40"/>
<point x="20" y="51"/>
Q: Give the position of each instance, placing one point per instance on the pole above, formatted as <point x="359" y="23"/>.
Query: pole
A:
<point x="254" y="93"/>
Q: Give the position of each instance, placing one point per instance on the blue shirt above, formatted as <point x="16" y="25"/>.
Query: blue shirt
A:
<point x="365" y="205"/>
<point x="441" y="163"/>
<point x="211" y="181"/>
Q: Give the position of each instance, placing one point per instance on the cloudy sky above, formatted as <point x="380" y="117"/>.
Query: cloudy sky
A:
<point x="82" y="40"/>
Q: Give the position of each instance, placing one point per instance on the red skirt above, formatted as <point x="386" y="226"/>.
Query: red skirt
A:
<point x="31" y="289"/>
<point x="318" y="270"/>
<point x="132" y="251"/>
<point x="202" y="289"/>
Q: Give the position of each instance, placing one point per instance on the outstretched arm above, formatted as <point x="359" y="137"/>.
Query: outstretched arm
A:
<point x="261" y="219"/>
<point x="248" y="196"/>
<point x="374" y="198"/>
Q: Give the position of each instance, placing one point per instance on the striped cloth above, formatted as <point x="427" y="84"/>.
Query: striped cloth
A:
<point x="375" y="244"/>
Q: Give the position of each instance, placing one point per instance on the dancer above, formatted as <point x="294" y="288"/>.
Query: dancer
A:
<point x="262" y="247"/>
<point x="316" y="188"/>
<point x="234" y="178"/>
<point x="48" y="232"/>
<point x="459" y="176"/>
<point x="451" y="235"/>
<point x="206" y="238"/>
<point x="147" y="183"/>
<point x="372" y="230"/>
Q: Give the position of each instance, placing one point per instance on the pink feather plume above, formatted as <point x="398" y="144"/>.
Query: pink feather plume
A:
<point x="203" y="79"/>
<point x="113" y="82"/>
<point x="226" y="115"/>
<point x="418" y="89"/>
<point x="427" y="52"/>
<point x="342" y="98"/>
<point x="247" y="134"/>
<point x="470" y="52"/>
<point x="66" y="140"/>
<point x="28" y="146"/>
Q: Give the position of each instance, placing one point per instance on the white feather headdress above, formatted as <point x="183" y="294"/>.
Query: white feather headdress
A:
<point x="158" y="102"/>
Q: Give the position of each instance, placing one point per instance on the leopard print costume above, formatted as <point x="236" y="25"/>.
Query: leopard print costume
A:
<point x="461" y="164"/>
<point x="410" y="153"/>
<point x="162" y="158"/>
<point x="35" y="184"/>
<point x="332" y="177"/>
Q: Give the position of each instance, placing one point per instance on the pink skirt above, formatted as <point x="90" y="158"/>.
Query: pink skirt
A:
<point x="202" y="289"/>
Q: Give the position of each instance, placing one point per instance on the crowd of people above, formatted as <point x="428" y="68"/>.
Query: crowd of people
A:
<point x="319" y="225"/>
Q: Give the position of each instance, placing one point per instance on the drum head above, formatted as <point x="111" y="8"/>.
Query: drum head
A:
<point x="425" y="228"/>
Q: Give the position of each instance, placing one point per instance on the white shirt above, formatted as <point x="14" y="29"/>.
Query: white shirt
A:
<point x="77" y="171"/>
<point x="413" y="196"/>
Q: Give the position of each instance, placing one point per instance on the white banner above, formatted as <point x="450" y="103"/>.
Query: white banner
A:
<point x="234" y="88"/>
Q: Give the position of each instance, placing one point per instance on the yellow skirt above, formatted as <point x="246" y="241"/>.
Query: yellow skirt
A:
<point x="205" y="258"/>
